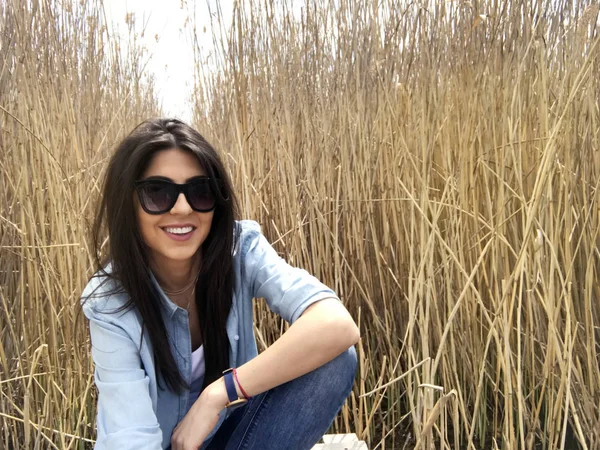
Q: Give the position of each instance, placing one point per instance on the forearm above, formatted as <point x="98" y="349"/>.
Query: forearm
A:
<point x="324" y="331"/>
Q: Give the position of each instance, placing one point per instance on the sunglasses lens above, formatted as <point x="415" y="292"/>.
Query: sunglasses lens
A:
<point x="157" y="196"/>
<point x="200" y="195"/>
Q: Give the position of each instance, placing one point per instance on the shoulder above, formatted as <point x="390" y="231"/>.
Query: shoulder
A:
<point x="103" y="295"/>
<point x="245" y="228"/>
<point x="248" y="233"/>
<point x="105" y="303"/>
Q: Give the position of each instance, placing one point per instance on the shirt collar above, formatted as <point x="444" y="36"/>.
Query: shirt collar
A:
<point x="165" y="301"/>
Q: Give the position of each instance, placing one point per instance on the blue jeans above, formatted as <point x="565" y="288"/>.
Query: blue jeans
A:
<point x="292" y="416"/>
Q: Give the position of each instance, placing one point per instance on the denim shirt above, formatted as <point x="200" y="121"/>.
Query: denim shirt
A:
<point x="133" y="411"/>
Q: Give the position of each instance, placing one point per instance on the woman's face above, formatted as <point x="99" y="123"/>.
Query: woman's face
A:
<point x="163" y="233"/>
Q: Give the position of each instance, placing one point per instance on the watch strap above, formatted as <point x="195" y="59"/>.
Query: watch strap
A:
<point x="230" y="385"/>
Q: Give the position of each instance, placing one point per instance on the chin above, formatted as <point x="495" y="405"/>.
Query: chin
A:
<point x="181" y="254"/>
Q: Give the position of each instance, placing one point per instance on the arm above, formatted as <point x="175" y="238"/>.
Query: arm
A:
<point x="321" y="330"/>
<point x="321" y="326"/>
<point x="324" y="330"/>
<point x="125" y="419"/>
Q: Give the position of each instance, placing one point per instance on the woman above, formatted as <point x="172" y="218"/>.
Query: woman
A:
<point x="170" y="311"/>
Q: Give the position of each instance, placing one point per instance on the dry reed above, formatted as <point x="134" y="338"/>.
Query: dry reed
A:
<point x="67" y="93"/>
<point x="434" y="162"/>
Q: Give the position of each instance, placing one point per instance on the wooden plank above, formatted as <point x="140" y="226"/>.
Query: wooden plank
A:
<point x="340" y="438"/>
<point x="342" y="446"/>
<point x="341" y="442"/>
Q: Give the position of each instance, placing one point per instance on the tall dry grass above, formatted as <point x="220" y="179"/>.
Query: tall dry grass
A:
<point x="437" y="163"/>
<point x="67" y="93"/>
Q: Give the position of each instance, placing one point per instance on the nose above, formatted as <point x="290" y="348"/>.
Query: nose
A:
<point x="181" y="207"/>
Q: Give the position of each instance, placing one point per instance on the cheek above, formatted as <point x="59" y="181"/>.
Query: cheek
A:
<point x="206" y="221"/>
<point x="145" y="225"/>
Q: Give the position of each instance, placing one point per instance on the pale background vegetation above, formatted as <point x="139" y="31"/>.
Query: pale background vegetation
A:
<point x="436" y="163"/>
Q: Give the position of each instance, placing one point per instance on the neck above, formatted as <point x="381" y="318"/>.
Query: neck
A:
<point x="175" y="275"/>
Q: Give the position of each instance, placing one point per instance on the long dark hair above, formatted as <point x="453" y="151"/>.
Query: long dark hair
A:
<point x="129" y="259"/>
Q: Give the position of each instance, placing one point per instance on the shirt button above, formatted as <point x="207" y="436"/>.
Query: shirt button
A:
<point x="236" y="337"/>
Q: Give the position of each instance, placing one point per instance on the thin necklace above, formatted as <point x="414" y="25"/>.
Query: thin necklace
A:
<point x="181" y="291"/>
<point x="187" y="308"/>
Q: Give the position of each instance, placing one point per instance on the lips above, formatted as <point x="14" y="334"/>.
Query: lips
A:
<point x="179" y="232"/>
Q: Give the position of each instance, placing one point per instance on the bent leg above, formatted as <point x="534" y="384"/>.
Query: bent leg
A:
<point x="294" y="415"/>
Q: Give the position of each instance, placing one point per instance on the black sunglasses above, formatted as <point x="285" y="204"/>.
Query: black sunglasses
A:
<point x="158" y="196"/>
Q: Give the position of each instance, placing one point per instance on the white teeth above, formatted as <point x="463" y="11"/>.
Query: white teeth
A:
<point x="182" y="230"/>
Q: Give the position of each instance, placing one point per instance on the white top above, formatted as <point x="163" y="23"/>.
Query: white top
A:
<point x="198" y="371"/>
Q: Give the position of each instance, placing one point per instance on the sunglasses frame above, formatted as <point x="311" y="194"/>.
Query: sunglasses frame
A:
<point x="179" y="188"/>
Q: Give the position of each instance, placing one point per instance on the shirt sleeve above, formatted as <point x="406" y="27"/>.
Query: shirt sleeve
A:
<point x="288" y="290"/>
<point x="126" y="419"/>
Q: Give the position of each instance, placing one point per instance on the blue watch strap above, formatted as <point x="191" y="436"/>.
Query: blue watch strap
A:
<point x="230" y="385"/>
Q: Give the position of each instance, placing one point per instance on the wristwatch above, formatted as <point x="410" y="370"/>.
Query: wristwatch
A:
<point x="234" y="401"/>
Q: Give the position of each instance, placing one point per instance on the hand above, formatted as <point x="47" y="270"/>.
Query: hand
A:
<point x="200" y="420"/>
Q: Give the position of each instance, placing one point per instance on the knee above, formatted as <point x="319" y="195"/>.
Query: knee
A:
<point x="347" y="362"/>
<point x="341" y="371"/>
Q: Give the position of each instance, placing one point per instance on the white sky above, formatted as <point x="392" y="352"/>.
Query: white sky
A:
<point x="171" y="57"/>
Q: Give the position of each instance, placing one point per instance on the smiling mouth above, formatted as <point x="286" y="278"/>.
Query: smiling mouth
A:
<point x="181" y="231"/>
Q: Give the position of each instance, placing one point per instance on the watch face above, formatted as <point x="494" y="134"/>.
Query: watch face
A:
<point x="236" y="403"/>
